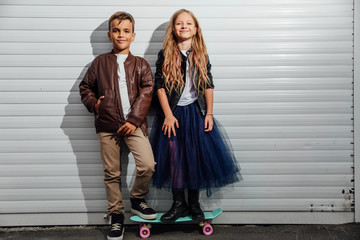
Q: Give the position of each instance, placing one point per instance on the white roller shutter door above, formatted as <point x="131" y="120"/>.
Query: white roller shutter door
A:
<point x="283" y="73"/>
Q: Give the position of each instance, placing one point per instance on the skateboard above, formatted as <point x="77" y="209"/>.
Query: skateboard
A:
<point x="207" y="229"/>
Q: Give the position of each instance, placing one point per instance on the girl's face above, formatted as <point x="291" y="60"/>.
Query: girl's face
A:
<point x="184" y="27"/>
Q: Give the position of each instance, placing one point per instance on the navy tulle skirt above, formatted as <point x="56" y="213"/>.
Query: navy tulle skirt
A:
<point x="193" y="159"/>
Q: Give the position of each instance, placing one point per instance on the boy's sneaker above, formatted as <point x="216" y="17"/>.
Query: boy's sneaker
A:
<point x="117" y="227"/>
<point x="142" y="209"/>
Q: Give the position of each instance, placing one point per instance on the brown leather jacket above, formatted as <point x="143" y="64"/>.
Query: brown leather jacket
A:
<point x="101" y="79"/>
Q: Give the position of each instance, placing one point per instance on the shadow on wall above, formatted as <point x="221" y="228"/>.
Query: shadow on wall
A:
<point x="78" y="125"/>
<point x="155" y="196"/>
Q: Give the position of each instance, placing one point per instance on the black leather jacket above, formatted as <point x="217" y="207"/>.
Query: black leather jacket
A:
<point x="174" y="97"/>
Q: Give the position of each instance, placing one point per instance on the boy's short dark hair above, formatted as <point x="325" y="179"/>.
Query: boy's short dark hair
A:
<point x="122" y="16"/>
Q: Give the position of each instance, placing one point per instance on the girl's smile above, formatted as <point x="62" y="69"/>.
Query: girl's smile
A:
<point x="184" y="28"/>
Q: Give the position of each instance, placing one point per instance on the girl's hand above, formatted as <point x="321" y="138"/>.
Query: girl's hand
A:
<point x="168" y="125"/>
<point x="209" y="123"/>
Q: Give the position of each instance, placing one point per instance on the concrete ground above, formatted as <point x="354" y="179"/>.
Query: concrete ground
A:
<point x="189" y="232"/>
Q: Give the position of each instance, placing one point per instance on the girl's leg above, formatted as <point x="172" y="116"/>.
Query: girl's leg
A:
<point x="177" y="170"/>
<point x="194" y="205"/>
<point x="179" y="207"/>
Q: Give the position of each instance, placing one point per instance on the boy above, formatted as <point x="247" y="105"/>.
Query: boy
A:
<point x="118" y="88"/>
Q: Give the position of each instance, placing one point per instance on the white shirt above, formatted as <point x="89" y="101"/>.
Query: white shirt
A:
<point x="125" y="102"/>
<point x="188" y="96"/>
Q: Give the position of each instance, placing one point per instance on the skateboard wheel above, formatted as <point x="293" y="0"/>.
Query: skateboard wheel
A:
<point x="148" y="225"/>
<point x="208" y="229"/>
<point x="144" y="232"/>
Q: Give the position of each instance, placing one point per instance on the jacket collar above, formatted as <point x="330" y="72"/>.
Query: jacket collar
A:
<point x="187" y="52"/>
<point x="130" y="57"/>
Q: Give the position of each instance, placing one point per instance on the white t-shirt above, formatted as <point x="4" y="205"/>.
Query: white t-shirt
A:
<point x="125" y="102"/>
<point x="188" y="96"/>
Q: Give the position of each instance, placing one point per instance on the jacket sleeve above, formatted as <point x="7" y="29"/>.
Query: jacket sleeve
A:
<point x="141" y="106"/>
<point x="88" y="87"/>
<point x="210" y="84"/>
<point x="159" y="77"/>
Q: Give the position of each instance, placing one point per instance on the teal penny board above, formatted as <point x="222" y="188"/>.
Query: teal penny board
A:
<point x="145" y="224"/>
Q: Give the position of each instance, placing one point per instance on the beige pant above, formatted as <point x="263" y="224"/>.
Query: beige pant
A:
<point x="110" y="146"/>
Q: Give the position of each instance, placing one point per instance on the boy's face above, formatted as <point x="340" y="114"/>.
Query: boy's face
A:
<point x="184" y="27"/>
<point x="121" y="35"/>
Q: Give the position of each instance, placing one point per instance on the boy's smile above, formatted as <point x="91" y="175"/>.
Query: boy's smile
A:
<point x="121" y="35"/>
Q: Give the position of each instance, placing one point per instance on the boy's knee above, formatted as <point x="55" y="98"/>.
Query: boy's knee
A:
<point x="147" y="168"/>
<point x="112" y="176"/>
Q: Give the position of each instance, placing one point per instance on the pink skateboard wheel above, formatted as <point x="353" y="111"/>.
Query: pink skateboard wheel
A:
<point x="208" y="229"/>
<point x="144" y="232"/>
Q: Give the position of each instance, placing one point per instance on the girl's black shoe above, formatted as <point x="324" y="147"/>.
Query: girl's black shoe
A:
<point x="178" y="209"/>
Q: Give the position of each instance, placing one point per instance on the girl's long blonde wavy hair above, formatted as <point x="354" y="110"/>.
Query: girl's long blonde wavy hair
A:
<point x="198" y="58"/>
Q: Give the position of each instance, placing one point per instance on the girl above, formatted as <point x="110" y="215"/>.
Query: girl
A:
<point x="188" y="147"/>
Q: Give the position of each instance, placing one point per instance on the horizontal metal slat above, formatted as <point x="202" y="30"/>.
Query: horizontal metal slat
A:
<point x="201" y="11"/>
<point x="268" y="144"/>
<point x="68" y="122"/>
<point x="220" y="109"/>
<point x="283" y="47"/>
<point x="221" y="96"/>
<point x="280" y="47"/>
<point x="219" y="60"/>
<point x="223" y="72"/>
<point x="159" y="23"/>
<point x="230" y="132"/>
<point x="240" y="193"/>
<point x="226" y="36"/>
<point x="300" y="169"/>
<point x="253" y="84"/>
<point x="184" y="2"/>
<point x="221" y="84"/>
<point x="225" y="204"/>
<point x="85" y="181"/>
<point x="79" y="158"/>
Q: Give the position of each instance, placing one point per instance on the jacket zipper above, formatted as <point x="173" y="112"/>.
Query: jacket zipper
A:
<point x="118" y="98"/>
